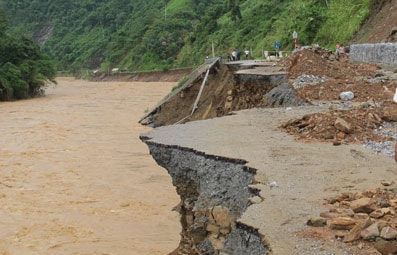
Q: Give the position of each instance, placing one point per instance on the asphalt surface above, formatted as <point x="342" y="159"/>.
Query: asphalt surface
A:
<point x="294" y="177"/>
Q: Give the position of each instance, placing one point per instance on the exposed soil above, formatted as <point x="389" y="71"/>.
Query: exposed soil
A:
<point x="382" y="26"/>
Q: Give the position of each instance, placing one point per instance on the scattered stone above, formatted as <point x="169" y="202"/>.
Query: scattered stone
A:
<point x="329" y="215"/>
<point x="342" y="125"/>
<point x="355" y="232"/>
<point x="386" y="247"/>
<point x="221" y="216"/>
<point x="371" y="232"/>
<point x="255" y="200"/>
<point x="367" y="216"/>
<point x="363" y="205"/>
<point x="386" y="211"/>
<point x="305" y="80"/>
<point x="390" y="113"/>
<point x="340" y="234"/>
<point x="378" y="213"/>
<point x="213" y="228"/>
<point x="361" y="216"/>
<point x="340" y="135"/>
<point x="317" y="222"/>
<point x="273" y="185"/>
<point x="388" y="233"/>
<point x="346" y="96"/>
<point x="342" y="223"/>
<point x="386" y="183"/>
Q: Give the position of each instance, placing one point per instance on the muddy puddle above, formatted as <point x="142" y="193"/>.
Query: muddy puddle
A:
<point x="76" y="179"/>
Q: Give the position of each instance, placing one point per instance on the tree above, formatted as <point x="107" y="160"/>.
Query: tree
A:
<point x="24" y="70"/>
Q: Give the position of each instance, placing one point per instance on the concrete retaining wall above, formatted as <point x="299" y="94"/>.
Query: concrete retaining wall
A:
<point x="379" y="53"/>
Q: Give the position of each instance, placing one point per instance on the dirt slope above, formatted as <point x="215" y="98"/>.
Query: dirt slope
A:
<point x="381" y="26"/>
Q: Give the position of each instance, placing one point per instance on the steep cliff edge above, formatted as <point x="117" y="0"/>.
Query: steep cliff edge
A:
<point x="214" y="192"/>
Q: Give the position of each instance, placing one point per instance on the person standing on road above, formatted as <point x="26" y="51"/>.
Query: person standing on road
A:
<point x="337" y="50"/>
<point x="247" y="52"/>
<point x="276" y="47"/>
<point x="234" y="55"/>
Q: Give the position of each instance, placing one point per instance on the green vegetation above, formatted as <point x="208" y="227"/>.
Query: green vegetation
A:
<point x="144" y="35"/>
<point x="24" y="70"/>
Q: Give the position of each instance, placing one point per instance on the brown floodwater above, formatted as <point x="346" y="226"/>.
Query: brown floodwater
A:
<point x="76" y="179"/>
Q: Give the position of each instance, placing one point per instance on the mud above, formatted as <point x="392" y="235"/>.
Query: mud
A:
<point x="76" y="179"/>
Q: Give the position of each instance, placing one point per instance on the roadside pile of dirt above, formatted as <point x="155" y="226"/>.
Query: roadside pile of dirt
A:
<point x="371" y="103"/>
<point x="366" y="81"/>
<point x="338" y="126"/>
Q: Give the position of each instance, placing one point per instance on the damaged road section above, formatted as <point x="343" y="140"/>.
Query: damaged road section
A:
<point x="247" y="187"/>
<point x="214" y="193"/>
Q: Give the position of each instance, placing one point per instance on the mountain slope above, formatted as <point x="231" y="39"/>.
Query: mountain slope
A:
<point x="147" y="35"/>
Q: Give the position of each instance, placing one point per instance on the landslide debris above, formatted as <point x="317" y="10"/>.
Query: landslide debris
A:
<point x="366" y="219"/>
<point x="347" y="121"/>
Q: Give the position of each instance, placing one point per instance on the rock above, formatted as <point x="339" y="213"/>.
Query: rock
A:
<point x="361" y="216"/>
<point x="340" y="135"/>
<point x="386" y="211"/>
<point x="217" y="242"/>
<point x="388" y="233"/>
<point x="329" y="215"/>
<point x="340" y="234"/>
<point x="378" y="213"/>
<point x="371" y="232"/>
<point x="386" y="183"/>
<point x="363" y="205"/>
<point x="342" y="223"/>
<point x="228" y="105"/>
<point x="221" y="216"/>
<point x="342" y="125"/>
<point x="355" y="232"/>
<point x="282" y="95"/>
<point x="317" y="222"/>
<point x="390" y="113"/>
<point x="347" y="95"/>
<point x="386" y="247"/>
<point x="255" y="200"/>
<point x="212" y="228"/>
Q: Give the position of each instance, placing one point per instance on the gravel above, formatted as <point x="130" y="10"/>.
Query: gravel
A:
<point x="388" y="129"/>
<point x="306" y="79"/>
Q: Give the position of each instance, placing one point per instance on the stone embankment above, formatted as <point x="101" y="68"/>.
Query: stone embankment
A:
<point x="379" y="53"/>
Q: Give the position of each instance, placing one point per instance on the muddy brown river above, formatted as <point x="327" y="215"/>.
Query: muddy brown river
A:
<point x="76" y="179"/>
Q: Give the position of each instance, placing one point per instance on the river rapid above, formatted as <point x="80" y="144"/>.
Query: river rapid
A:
<point x="76" y="179"/>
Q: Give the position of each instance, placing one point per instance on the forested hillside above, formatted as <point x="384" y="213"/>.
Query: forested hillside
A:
<point x="24" y="69"/>
<point x="144" y="35"/>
